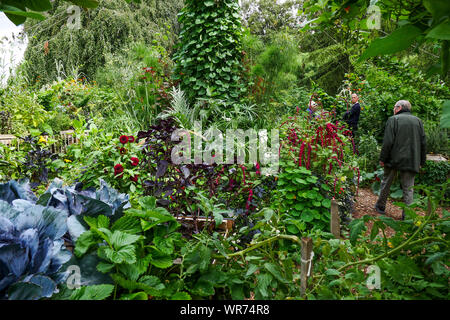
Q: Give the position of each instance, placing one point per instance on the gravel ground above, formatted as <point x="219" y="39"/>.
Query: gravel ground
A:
<point x="364" y="205"/>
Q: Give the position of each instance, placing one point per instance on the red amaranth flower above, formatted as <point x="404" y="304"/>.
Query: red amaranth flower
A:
<point x="258" y="172"/>
<point x="134" y="161"/>
<point x="135" y="178"/>
<point x="122" y="150"/>
<point x="243" y="174"/>
<point x="247" y="205"/>
<point x="308" y="162"/>
<point x="302" y="149"/>
<point x="131" y="139"/>
<point x="123" y="139"/>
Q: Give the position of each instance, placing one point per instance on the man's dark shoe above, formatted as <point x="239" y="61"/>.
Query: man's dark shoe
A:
<point x="379" y="210"/>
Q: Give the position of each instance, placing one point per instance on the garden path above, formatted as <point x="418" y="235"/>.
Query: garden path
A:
<point x="364" y="205"/>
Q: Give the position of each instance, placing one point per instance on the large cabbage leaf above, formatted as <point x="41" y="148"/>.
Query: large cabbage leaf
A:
<point x="31" y="249"/>
<point x="13" y="190"/>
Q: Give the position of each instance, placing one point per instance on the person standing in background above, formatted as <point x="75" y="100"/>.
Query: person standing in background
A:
<point x="403" y="151"/>
<point x="352" y="118"/>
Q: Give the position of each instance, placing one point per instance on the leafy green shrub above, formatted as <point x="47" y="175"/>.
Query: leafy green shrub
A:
<point x="208" y="60"/>
<point x="134" y="250"/>
<point x="24" y="110"/>
<point x="411" y="263"/>
<point x="437" y="138"/>
<point x="381" y="86"/>
<point x="104" y="155"/>
<point x="434" y="172"/>
<point x="317" y="164"/>
<point x="369" y="152"/>
<point x="302" y="199"/>
<point x="139" y="79"/>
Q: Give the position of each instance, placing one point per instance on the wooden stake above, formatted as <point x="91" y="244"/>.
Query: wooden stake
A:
<point x="429" y="209"/>
<point x="335" y="225"/>
<point x="306" y="265"/>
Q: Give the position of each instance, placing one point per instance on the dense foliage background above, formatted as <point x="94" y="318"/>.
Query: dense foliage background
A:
<point x="135" y="71"/>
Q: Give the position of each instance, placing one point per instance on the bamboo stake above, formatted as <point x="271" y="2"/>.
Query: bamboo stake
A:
<point x="306" y="265"/>
<point x="335" y="220"/>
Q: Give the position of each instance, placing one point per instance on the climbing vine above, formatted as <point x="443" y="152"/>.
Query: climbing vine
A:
<point x="208" y="60"/>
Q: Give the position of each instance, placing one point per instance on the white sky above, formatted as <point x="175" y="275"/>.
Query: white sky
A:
<point x="11" y="51"/>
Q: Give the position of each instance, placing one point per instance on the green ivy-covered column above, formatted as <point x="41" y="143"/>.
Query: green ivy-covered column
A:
<point x="209" y="56"/>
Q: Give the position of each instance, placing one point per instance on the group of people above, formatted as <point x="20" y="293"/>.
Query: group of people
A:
<point x="403" y="151"/>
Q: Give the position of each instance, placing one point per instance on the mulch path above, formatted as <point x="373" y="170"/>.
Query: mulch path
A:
<point x="364" y="205"/>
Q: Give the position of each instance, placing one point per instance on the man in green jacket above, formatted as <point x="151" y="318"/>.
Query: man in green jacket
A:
<point x="403" y="151"/>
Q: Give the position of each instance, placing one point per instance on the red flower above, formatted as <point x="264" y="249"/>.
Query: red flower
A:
<point x="347" y="9"/>
<point x="122" y="150"/>
<point x="130" y="139"/>
<point x="118" y="168"/>
<point x="135" y="178"/>
<point x="123" y="139"/>
<point x="134" y="161"/>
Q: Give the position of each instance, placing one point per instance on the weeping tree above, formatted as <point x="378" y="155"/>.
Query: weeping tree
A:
<point x="76" y="41"/>
<point x="209" y="55"/>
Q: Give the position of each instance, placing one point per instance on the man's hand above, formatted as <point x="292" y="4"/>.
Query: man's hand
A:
<point x="382" y="163"/>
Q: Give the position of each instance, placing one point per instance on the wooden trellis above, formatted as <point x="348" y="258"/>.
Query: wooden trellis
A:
<point x="7" y="138"/>
<point x="64" y="139"/>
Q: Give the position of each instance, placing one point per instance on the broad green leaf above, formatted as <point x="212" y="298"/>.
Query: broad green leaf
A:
<point x="127" y="224"/>
<point x="165" y="245"/>
<point x="275" y="271"/>
<point x="134" y="285"/>
<point x="263" y="282"/>
<point x="104" y="267"/>
<point x="218" y="217"/>
<point x="120" y="239"/>
<point x="356" y="228"/>
<point x="332" y="272"/>
<point x="203" y="288"/>
<point x="307" y="216"/>
<point x="125" y="254"/>
<point x="251" y="269"/>
<point x="38" y="5"/>
<point x="147" y="202"/>
<point x="95" y="292"/>
<point x="134" y="296"/>
<point x="161" y="261"/>
<point x="435" y="257"/>
<point x="84" y="242"/>
<point x="398" y="40"/>
<point x="438" y="8"/>
<point x="102" y="221"/>
<point x="375" y="229"/>
<point x="91" y="4"/>
<point x="181" y="296"/>
<point x="237" y="291"/>
<point x="326" y="203"/>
